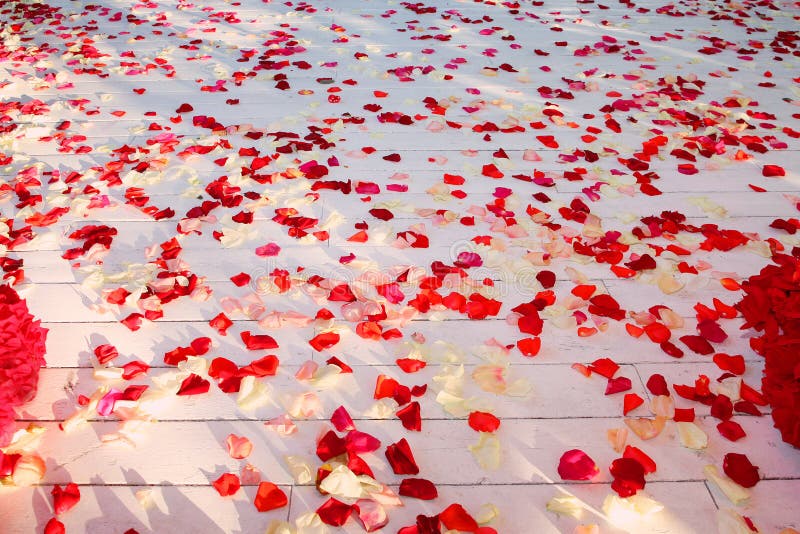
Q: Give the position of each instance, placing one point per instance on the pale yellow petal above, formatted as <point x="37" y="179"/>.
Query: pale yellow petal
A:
<point x="487" y="451"/>
<point x="733" y="491"/>
<point x="566" y="505"/>
<point x="692" y="436"/>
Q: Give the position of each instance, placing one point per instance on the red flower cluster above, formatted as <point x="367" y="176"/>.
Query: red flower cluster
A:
<point x="22" y="348"/>
<point x="770" y="305"/>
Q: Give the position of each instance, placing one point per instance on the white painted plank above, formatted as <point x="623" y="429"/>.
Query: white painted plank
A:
<point x="194" y="452"/>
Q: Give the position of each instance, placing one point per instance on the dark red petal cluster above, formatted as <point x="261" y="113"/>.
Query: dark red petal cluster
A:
<point x="628" y="476"/>
<point x="769" y="306"/>
<point x="22" y="350"/>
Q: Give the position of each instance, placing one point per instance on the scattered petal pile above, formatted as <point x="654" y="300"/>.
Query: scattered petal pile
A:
<point x="466" y="266"/>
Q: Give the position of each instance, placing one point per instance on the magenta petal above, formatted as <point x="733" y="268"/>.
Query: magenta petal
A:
<point x="577" y="465"/>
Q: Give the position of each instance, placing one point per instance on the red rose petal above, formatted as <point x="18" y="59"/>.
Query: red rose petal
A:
<point x="604" y="367"/>
<point x="341" y="420"/>
<point x="637" y="454"/>
<point x="324" y="341"/>
<point x="530" y="324"/>
<point x="419" y="488"/>
<point x="630" y="402"/>
<point x="64" y="499"/>
<point x="773" y="170"/>
<point x="133" y="321"/>
<point x="241" y="279"/>
<point x="227" y="484"/>
<point x="401" y="459"/>
<point x="267" y="251"/>
<point x="410" y="365"/>
<point x="712" y="331"/>
<point x="657" y="332"/>
<point x="733" y="364"/>
<point x="628" y="476"/>
<point x="334" y="512"/>
<point x="697" y="344"/>
<point x="194" y="385"/>
<point x="670" y="349"/>
<point x="731" y="430"/>
<point x="221" y="323"/>
<point x="529" y="346"/>
<point x="357" y="442"/>
<point x="455" y="517"/>
<point x="740" y="470"/>
<point x="546" y="278"/>
<point x="617" y="385"/>
<point x="258" y="342"/>
<point x="54" y="526"/>
<point x="269" y="497"/>
<point x="330" y="445"/>
<point x="657" y="385"/>
<point x="491" y="171"/>
<point x="266" y="366"/>
<point x="483" y="422"/>
<point x="105" y="353"/>
<point x="133" y="369"/>
<point x="222" y="368"/>
<point x="722" y="407"/>
<point x="346" y="369"/>
<point x="684" y="415"/>
<point x="410" y="416"/>
<point x="577" y="465"/>
<point x="747" y="407"/>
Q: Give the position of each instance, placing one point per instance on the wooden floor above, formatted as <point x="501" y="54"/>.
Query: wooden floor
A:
<point x="365" y="141"/>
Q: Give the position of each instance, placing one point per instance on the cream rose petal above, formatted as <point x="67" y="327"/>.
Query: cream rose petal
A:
<point x="692" y="436"/>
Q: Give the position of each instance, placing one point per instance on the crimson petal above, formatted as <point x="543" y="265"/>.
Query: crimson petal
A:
<point x="628" y="476"/>
<point x="401" y="459"/>
<point x="740" y="470"/>
<point x="410" y="416"/>
<point x="419" y="488"/>
<point x="334" y="512"/>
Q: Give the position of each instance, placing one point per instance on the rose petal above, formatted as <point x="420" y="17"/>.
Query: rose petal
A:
<point x="258" y="342"/>
<point x="238" y="446"/>
<point x="269" y="497"/>
<point x="105" y="353"/>
<point x="628" y="476"/>
<point x="410" y="416"/>
<point x="54" y="526"/>
<point x="341" y="420"/>
<point x="455" y="517"/>
<point x="334" y="512"/>
<point x="64" y="499"/>
<point x="227" y="484"/>
<point x="194" y="385"/>
<point x="401" y="459"/>
<point x="577" y="465"/>
<point x="740" y="470"/>
<point x="371" y="514"/>
<point x="419" y="488"/>
<point x="483" y="422"/>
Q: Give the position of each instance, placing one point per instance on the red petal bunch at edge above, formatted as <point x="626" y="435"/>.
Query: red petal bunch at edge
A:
<point x="22" y="350"/>
<point x="770" y="304"/>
